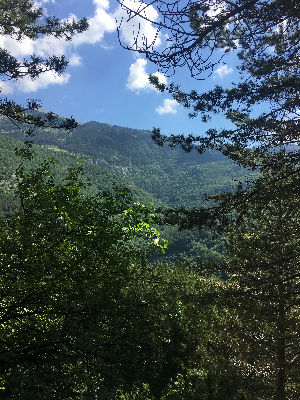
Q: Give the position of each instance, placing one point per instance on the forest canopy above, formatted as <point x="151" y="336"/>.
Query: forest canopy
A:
<point x="85" y="312"/>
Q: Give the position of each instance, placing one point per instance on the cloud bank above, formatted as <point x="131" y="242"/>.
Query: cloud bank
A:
<point x="101" y="23"/>
<point x="134" y="32"/>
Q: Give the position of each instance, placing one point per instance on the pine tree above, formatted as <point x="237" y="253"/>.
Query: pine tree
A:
<point x="261" y="217"/>
<point x="21" y="19"/>
<point x="263" y="257"/>
<point x="263" y="102"/>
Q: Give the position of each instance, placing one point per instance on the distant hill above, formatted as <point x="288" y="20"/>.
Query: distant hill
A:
<point x="170" y="175"/>
<point x="163" y="176"/>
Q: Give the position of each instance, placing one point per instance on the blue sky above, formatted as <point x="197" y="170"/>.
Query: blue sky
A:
<point x="104" y="82"/>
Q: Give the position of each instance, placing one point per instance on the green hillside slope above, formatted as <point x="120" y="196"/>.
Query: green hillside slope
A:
<point x="111" y="154"/>
<point x="175" y="177"/>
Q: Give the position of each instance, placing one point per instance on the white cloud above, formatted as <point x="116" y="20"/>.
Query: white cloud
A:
<point x="101" y="23"/>
<point x="75" y="60"/>
<point x="6" y="88"/>
<point x="136" y="31"/>
<point x="28" y="85"/>
<point x="43" y="47"/>
<point x="169" y="107"/>
<point x="17" y="48"/>
<point x="101" y="3"/>
<point x="138" y="77"/>
<point x="138" y="80"/>
<point x="43" y="81"/>
<point x="222" y="71"/>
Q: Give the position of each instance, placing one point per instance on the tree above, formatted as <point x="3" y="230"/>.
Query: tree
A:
<point x="82" y="312"/>
<point x="67" y="311"/>
<point x="263" y="104"/>
<point x="263" y="256"/>
<point x="262" y="217"/>
<point x="22" y="19"/>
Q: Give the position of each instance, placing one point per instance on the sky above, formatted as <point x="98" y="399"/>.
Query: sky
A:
<point x="104" y="82"/>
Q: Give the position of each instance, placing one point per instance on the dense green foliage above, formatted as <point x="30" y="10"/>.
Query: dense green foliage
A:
<point x="262" y="217"/>
<point x="67" y="260"/>
<point x="263" y="250"/>
<point x="84" y="315"/>
<point x="83" y="312"/>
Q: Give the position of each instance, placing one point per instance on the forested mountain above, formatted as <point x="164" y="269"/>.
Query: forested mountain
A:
<point x="129" y="155"/>
<point x="111" y="154"/>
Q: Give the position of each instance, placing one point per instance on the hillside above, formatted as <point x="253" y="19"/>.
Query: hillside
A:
<point x="163" y="176"/>
<point x="170" y="175"/>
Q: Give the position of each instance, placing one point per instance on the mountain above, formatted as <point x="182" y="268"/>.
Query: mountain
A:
<point x="163" y="176"/>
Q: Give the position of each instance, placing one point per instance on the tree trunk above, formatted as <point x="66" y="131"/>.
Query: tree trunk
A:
<point x="280" y="393"/>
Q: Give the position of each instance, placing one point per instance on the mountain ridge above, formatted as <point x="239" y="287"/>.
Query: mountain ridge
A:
<point x="165" y="177"/>
<point x="163" y="172"/>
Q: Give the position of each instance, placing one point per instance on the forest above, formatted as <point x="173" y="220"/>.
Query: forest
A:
<point x="141" y="265"/>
